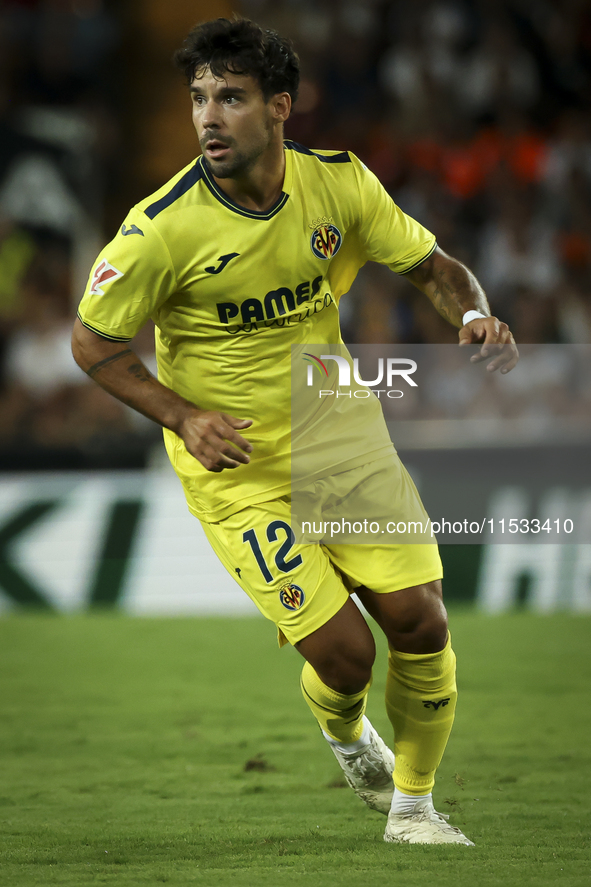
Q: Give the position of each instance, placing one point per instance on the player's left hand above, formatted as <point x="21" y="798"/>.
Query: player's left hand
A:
<point x="497" y="342"/>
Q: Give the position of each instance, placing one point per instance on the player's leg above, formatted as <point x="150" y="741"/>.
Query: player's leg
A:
<point x="421" y="687"/>
<point x="421" y="664"/>
<point x="335" y="682"/>
<point x="341" y="651"/>
<point x="337" y="674"/>
<point x="421" y="698"/>
<point x="298" y="588"/>
<point x="405" y="599"/>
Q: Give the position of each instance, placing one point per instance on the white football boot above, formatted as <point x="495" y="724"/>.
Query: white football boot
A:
<point x="369" y="771"/>
<point x="423" y="826"/>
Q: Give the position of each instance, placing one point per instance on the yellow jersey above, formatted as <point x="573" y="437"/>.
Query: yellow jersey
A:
<point x="232" y="290"/>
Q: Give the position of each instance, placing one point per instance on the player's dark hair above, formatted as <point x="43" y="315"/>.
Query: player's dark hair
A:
<point x="241" y="47"/>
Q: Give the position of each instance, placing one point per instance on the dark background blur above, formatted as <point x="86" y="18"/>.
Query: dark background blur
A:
<point x="473" y="113"/>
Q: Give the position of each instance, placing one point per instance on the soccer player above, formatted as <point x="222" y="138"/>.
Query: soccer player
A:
<point x="243" y="254"/>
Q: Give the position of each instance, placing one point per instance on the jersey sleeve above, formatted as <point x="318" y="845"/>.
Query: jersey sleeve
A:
<point x="386" y="233"/>
<point x="131" y="278"/>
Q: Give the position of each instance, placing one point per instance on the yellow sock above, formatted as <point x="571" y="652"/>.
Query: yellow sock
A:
<point x="421" y="697"/>
<point x="340" y="716"/>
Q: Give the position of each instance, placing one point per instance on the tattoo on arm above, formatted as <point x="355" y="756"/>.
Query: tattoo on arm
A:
<point x="444" y="296"/>
<point x="140" y="372"/>
<point x="93" y="370"/>
<point x="451" y="287"/>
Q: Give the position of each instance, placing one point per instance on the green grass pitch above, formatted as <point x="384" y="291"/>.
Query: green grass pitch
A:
<point x="179" y="751"/>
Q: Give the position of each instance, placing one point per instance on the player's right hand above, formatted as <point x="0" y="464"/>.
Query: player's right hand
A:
<point x="213" y="439"/>
<point x="497" y="343"/>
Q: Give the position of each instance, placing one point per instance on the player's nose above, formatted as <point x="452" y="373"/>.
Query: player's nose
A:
<point x="210" y="115"/>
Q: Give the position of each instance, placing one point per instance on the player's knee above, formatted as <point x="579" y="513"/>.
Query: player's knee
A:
<point x="419" y="624"/>
<point x="349" y="680"/>
<point x="347" y="671"/>
<point x="342" y="651"/>
<point x="429" y="630"/>
<point x="432" y="631"/>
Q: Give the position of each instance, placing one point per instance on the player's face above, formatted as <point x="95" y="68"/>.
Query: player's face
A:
<point x="233" y="122"/>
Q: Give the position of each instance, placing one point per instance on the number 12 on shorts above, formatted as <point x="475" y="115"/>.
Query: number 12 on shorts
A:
<point x="285" y="566"/>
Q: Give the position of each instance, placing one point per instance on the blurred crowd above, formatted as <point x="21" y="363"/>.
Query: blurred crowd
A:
<point x="547" y="402"/>
<point x="60" y="136"/>
<point x="473" y="113"/>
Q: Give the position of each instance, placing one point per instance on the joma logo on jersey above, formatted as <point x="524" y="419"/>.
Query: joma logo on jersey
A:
<point x="292" y="597"/>
<point x="133" y="229"/>
<point x="222" y="262"/>
<point x="103" y="273"/>
<point x="326" y="241"/>
<point x="432" y="703"/>
<point x="274" y="304"/>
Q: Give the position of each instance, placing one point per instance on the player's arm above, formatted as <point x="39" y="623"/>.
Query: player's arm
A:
<point x="211" y="437"/>
<point x="454" y="290"/>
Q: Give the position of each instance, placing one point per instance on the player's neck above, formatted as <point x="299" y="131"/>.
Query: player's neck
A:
<point x="258" y="189"/>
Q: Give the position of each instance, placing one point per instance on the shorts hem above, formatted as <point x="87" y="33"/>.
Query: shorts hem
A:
<point x="430" y="577"/>
<point x="301" y="631"/>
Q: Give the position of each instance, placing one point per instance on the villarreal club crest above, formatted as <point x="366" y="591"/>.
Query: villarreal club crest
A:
<point x="326" y="238"/>
<point x="292" y="597"/>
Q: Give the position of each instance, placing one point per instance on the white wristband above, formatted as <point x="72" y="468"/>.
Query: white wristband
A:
<point x="472" y="315"/>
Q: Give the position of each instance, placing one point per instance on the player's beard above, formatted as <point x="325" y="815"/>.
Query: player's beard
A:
<point x="242" y="160"/>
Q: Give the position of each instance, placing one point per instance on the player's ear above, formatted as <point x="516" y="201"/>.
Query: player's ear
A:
<point x="281" y="106"/>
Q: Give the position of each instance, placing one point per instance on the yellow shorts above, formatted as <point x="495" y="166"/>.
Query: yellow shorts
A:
<point x="299" y="586"/>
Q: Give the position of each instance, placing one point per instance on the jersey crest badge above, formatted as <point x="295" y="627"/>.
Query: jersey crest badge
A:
<point x="103" y="273"/>
<point x="326" y="238"/>
<point x="292" y="597"/>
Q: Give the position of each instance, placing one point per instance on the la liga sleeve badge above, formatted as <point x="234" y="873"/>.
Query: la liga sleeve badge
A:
<point x="103" y="273"/>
